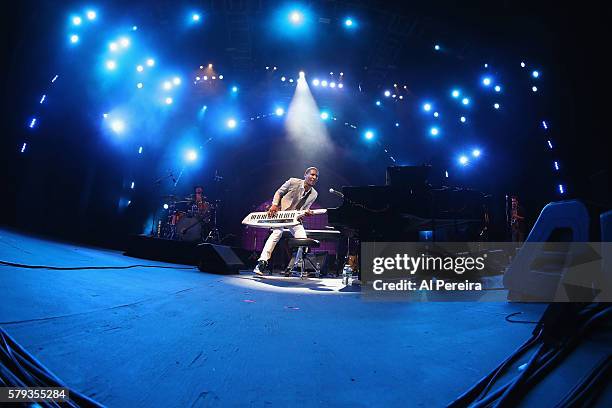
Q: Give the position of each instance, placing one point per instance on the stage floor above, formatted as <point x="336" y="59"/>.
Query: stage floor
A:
<point x="173" y="336"/>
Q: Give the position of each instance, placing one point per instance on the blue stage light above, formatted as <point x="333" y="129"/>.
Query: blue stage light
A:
<point x="387" y="93"/>
<point x="463" y="160"/>
<point x="324" y="83"/>
<point x="476" y="152"/>
<point x="113" y="46"/>
<point x="111" y="65"/>
<point x="324" y="115"/>
<point x="535" y="74"/>
<point x="279" y="111"/>
<point x="436" y="114"/>
<point x="486" y="81"/>
<point x="176" y="81"/>
<point x="23" y="147"/>
<point x="32" y="123"/>
<point x="369" y="135"/>
<point x="561" y="189"/>
<point x="231" y="123"/>
<point x="139" y="85"/>
<point x="91" y="15"/>
<point x="497" y="88"/>
<point x="396" y="124"/>
<point x="134" y="28"/>
<point x="434" y="131"/>
<point x="348" y="22"/>
<point x="76" y="20"/>
<point x="74" y="38"/>
<point x="340" y="85"/>
<point x="234" y="89"/>
<point x="534" y="88"/>
<point x="455" y="93"/>
<point x="150" y="62"/>
<point x="140" y="150"/>
<point x="118" y="126"/>
<point x="132" y="185"/>
<point x="166" y="206"/>
<point x="296" y="17"/>
<point x="522" y="65"/>
<point x="427" y="107"/>
<point x="168" y="100"/>
<point x="496" y="105"/>
<point x="437" y="47"/>
<point x="544" y="125"/>
<point x="549" y="144"/>
<point x="465" y="101"/>
<point x="556" y="163"/>
<point x="167" y="85"/>
<point x="191" y="155"/>
<point x="463" y="119"/>
<point x="124" y="41"/>
<point x="139" y="68"/>
<point x="315" y="82"/>
<point x="486" y="65"/>
<point x="42" y="99"/>
<point x="332" y="84"/>
<point x="195" y="17"/>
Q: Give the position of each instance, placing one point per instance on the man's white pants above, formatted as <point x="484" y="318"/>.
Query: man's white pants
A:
<point x="297" y="231"/>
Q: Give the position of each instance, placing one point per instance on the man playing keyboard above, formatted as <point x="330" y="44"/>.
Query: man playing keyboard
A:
<point x="294" y="194"/>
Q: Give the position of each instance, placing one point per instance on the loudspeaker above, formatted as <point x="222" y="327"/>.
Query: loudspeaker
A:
<point x="219" y="259"/>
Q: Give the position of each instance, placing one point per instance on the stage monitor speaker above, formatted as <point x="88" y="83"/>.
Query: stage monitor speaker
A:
<point x="219" y="259"/>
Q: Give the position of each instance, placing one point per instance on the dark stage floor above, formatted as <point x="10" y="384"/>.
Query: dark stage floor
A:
<point x="178" y="337"/>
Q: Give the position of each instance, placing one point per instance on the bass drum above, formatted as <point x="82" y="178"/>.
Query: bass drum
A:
<point x="189" y="229"/>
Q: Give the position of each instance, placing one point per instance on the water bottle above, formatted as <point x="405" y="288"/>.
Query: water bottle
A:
<point x="347" y="275"/>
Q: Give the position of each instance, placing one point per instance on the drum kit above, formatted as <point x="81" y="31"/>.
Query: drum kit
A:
<point x="189" y="219"/>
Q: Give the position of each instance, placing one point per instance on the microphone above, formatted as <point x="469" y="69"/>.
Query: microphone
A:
<point x="335" y="192"/>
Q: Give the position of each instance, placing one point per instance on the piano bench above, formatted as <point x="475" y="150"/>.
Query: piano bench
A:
<point x="301" y="257"/>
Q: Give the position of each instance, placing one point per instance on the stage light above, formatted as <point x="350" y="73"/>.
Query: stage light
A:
<point x="323" y="83"/>
<point x="231" y="123"/>
<point x="534" y="88"/>
<point x="496" y="105"/>
<point x="76" y="20"/>
<point x="348" y="22"/>
<point x="401" y="97"/>
<point x="118" y="126"/>
<point x="139" y="85"/>
<point x="549" y="144"/>
<point x="296" y="17"/>
<point x="234" y="89"/>
<point x="23" y="147"/>
<point x="134" y="28"/>
<point x="434" y="131"/>
<point x="113" y="46"/>
<point x="91" y="15"/>
<point x="436" y="114"/>
<point x="522" y="65"/>
<point x="369" y="135"/>
<point x="342" y="74"/>
<point x="105" y="115"/>
<point x="168" y="100"/>
<point x="332" y="84"/>
<point x="132" y="185"/>
<point x="340" y="86"/>
<point x="54" y="78"/>
<point x="111" y="64"/>
<point x="486" y="65"/>
<point x="476" y="152"/>
<point x="291" y="80"/>
<point x="42" y="99"/>
<point x="486" y="81"/>
<point x="191" y="155"/>
<point x="535" y="74"/>
<point x="427" y="107"/>
<point x="446" y="173"/>
<point x="324" y="115"/>
<point x="497" y="88"/>
<point x="377" y="103"/>
<point x="139" y="68"/>
<point x="463" y="160"/>
<point x="220" y="76"/>
<point x="556" y="163"/>
<point x="166" y="206"/>
<point x="437" y="47"/>
<point x="463" y="119"/>
<point x="301" y="74"/>
<point x="74" y="38"/>
<point x="167" y="85"/>
<point x="561" y="189"/>
<point x="455" y="93"/>
<point x="210" y="65"/>
<point x="124" y="41"/>
<point x="140" y="150"/>
<point x="206" y="77"/>
<point x="283" y="79"/>
<point x="279" y="111"/>
<point x="176" y="81"/>
<point x="396" y="124"/>
<point x="465" y="101"/>
<point x="32" y="123"/>
<point x="544" y="125"/>
<point x="150" y="62"/>
<point x="195" y="17"/>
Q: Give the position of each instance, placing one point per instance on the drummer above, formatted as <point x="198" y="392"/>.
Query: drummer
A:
<point x="198" y="194"/>
<point x="200" y="206"/>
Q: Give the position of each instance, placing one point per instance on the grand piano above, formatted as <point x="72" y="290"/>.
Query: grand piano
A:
<point x="409" y="209"/>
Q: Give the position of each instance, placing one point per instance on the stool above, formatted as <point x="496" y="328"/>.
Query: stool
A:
<point x="301" y="257"/>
